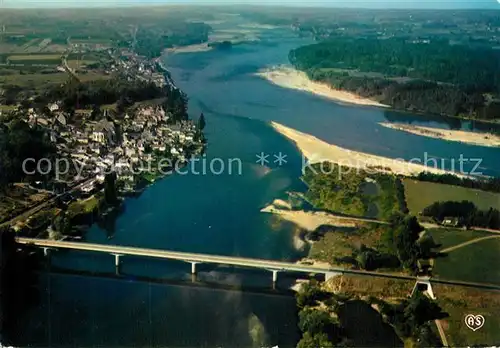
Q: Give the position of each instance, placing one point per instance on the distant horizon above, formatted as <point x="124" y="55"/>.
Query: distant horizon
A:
<point x="363" y="4"/>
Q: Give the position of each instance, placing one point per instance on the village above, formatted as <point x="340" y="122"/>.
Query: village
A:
<point x="136" y="144"/>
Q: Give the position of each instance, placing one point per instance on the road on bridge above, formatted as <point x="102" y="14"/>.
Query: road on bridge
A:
<point x="270" y="265"/>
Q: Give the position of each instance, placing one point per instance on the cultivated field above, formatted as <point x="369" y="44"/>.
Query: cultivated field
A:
<point x="460" y="301"/>
<point x="30" y="57"/>
<point x="475" y="262"/>
<point x="420" y="195"/>
<point x="449" y="237"/>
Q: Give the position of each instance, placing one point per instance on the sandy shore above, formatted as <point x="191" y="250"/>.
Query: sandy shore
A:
<point x="318" y="151"/>
<point x="307" y="220"/>
<point x="290" y="78"/>
<point x="474" y="138"/>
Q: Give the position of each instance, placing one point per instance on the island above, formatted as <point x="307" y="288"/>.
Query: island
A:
<point x="432" y="76"/>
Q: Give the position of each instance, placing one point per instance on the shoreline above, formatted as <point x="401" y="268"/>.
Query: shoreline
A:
<point x="290" y="78"/>
<point x="203" y="47"/>
<point x="467" y="137"/>
<point x="307" y="220"/>
<point x="318" y="151"/>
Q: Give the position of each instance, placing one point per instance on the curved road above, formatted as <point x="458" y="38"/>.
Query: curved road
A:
<point x="477" y="240"/>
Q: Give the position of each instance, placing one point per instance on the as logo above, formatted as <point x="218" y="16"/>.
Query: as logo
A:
<point x="474" y="322"/>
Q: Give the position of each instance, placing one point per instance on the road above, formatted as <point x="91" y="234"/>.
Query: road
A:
<point x="270" y="265"/>
<point x="477" y="240"/>
<point x="442" y="334"/>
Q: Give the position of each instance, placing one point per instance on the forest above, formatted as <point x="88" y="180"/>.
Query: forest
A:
<point x="151" y="42"/>
<point x="431" y="76"/>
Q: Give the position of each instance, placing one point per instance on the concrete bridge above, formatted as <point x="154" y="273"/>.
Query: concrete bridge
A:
<point x="119" y="251"/>
<point x="272" y="266"/>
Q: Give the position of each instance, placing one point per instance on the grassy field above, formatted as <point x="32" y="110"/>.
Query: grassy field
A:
<point x="420" y="195"/>
<point x="449" y="237"/>
<point x="83" y="207"/>
<point x="29" y="57"/>
<point x="77" y="64"/>
<point x="475" y="262"/>
<point x="42" y="80"/>
<point x="342" y="242"/>
<point x="460" y="301"/>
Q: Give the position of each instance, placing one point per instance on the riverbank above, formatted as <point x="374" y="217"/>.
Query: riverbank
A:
<point x="473" y="138"/>
<point x="293" y="79"/>
<point x="203" y="47"/>
<point x="318" y="151"/>
<point x="307" y="220"/>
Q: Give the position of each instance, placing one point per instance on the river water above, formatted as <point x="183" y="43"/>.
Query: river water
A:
<point x="217" y="214"/>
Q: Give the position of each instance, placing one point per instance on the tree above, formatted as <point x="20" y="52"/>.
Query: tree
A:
<point x="62" y="224"/>
<point x="110" y="192"/>
<point x="316" y="341"/>
<point x="315" y="321"/>
<point x="201" y="122"/>
<point x="308" y="294"/>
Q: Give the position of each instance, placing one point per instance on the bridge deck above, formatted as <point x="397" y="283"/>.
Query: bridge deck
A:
<point x="196" y="258"/>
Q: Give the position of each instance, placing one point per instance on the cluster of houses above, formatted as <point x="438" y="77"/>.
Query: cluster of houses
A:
<point x="136" y="67"/>
<point x="127" y="146"/>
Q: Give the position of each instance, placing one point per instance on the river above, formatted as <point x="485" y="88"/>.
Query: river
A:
<point x="217" y="214"/>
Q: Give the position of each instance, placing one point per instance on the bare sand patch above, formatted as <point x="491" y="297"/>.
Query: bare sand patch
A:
<point x="290" y="78"/>
<point x="203" y="47"/>
<point x="308" y="220"/>
<point x="318" y="151"/>
<point x="474" y="138"/>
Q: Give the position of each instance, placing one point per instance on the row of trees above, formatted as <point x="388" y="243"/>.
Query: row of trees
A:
<point x="466" y="212"/>
<point x="486" y="184"/>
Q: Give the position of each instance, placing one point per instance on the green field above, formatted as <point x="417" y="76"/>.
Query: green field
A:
<point x="474" y="263"/>
<point x="460" y="301"/>
<point x="449" y="237"/>
<point x="30" y="57"/>
<point x="36" y="81"/>
<point x="77" y="64"/>
<point x="420" y="194"/>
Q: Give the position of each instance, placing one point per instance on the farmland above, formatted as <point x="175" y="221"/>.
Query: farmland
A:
<point x="420" y="195"/>
<point x="460" y="301"/>
<point x="449" y="237"/>
<point x="33" y="57"/>
<point x="468" y="262"/>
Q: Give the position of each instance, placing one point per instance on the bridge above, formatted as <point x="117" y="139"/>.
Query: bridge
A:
<point x="273" y="266"/>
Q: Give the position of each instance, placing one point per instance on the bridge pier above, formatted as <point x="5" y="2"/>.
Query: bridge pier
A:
<point x="193" y="267"/>
<point x="275" y="276"/>
<point x="117" y="260"/>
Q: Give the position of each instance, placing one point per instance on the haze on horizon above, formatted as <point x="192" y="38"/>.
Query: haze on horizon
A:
<point x="380" y="4"/>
